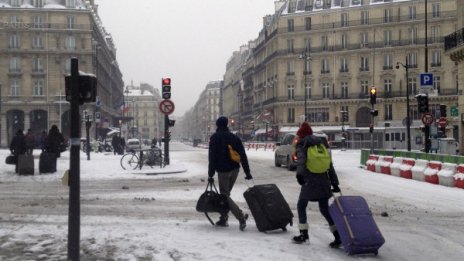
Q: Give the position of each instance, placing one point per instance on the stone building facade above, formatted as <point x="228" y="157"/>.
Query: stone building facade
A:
<point x="37" y="41"/>
<point x="324" y="56"/>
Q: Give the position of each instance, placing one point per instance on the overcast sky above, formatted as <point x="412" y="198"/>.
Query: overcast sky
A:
<point x="187" y="40"/>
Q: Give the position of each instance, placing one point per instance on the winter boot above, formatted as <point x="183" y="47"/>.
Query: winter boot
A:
<point x="303" y="234"/>
<point x="223" y="221"/>
<point x="242" y="222"/>
<point x="337" y="242"/>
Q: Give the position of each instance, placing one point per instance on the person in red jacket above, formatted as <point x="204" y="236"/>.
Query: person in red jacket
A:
<point x="227" y="169"/>
<point x="315" y="187"/>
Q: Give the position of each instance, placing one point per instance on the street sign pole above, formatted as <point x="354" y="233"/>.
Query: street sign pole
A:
<point x="74" y="221"/>
<point x="166" y="139"/>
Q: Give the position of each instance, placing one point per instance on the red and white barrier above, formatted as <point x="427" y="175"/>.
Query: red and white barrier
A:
<point x="459" y="177"/>
<point x="418" y="169"/>
<point x="406" y="168"/>
<point x="446" y="174"/>
<point x="385" y="165"/>
<point x="395" y="166"/>
<point x="370" y="163"/>
<point x="378" y="164"/>
<point x="431" y="172"/>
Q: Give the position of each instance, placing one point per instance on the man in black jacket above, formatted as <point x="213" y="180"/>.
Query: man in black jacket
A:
<point x="227" y="169"/>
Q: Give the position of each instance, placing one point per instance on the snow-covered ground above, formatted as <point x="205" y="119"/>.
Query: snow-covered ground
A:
<point x="130" y="215"/>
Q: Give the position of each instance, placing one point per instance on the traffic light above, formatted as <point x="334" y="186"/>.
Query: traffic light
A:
<point x="371" y="128"/>
<point x="172" y="123"/>
<point x="166" y="88"/>
<point x="87" y="88"/>
<point x="344" y="116"/>
<point x="373" y="95"/>
<point x="374" y="113"/>
<point x="422" y="103"/>
<point x="442" y="110"/>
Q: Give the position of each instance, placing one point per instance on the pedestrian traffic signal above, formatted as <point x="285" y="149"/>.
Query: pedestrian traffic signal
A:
<point x="422" y="103"/>
<point x="374" y="113"/>
<point x="373" y="95"/>
<point x="87" y="88"/>
<point x="166" y="88"/>
<point x="442" y="110"/>
<point x="371" y="128"/>
<point x="172" y="123"/>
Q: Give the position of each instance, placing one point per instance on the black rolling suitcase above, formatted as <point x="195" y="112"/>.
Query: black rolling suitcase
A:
<point x="25" y="164"/>
<point x="269" y="208"/>
<point x="47" y="162"/>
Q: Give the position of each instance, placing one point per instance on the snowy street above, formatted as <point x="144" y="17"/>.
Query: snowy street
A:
<point x="129" y="215"/>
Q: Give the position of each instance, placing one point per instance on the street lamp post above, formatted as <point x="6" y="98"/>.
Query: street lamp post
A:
<point x="408" y="122"/>
<point x="305" y="56"/>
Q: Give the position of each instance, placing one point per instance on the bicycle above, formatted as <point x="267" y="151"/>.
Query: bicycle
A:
<point x="152" y="157"/>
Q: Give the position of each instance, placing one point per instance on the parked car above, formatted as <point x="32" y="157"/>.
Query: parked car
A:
<point x="285" y="153"/>
<point x="133" y="144"/>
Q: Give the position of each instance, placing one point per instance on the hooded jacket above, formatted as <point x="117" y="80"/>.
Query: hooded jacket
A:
<point x="316" y="186"/>
<point x="219" y="159"/>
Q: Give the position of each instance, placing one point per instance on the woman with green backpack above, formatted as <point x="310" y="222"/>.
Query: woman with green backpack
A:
<point x="316" y="175"/>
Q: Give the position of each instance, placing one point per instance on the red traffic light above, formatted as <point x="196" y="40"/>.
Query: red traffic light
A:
<point x="166" y="81"/>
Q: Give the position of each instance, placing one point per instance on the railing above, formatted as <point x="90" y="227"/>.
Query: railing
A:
<point x="372" y="21"/>
<point x="51" y="26"/>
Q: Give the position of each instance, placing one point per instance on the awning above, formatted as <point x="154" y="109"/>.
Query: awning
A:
<point x="288" y="129"/>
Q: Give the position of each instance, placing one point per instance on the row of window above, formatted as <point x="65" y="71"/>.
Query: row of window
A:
<point x="322" y="114"/>
<point x="364" y="17"/>
<point x="40" y="3"/>
<point x="37" y="42"/>
<point x="388" y="63"/>
<point x="37" y="65"/>
<point x="37" y="87"/>
<point x="365" y="86"/>
<point x="387" y="39"/>
<point x="38" y="22"/>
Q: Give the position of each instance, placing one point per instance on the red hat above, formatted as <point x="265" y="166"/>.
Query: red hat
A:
<point x="304" y="130"/>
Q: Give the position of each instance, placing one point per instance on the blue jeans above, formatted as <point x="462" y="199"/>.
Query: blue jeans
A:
<point x="323" y="208"/>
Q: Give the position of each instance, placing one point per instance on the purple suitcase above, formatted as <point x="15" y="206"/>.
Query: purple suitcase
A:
<point x="357" y="227"/>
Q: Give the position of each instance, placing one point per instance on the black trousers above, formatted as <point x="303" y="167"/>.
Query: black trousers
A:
<point x="323" y="208"/>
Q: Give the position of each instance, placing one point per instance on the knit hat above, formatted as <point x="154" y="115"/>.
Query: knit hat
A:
<point x="222" y="121"/>
<point x="304" y="130"/>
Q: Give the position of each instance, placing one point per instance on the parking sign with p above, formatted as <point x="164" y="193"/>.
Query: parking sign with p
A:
<point x="426" y="81"/>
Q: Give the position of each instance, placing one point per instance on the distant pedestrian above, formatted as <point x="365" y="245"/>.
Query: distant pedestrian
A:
<point x="227" y="169"/>
<point x="43" y="140"/>
<point x="115" y="144"/>
<point x="18" y="146"/>
<point x="55" y="141"/>
<point x="30" y="142"/>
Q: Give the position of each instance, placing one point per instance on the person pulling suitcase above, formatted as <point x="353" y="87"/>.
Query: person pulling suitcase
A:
<point x="315" y="187"/>
<point x="223" y="159"/>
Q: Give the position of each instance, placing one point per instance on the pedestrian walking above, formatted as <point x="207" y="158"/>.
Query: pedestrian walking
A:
<point x="221" y="162"/>
<point x="30" y="142"/>
<point x="18" y="146"/>
<point x="55" y="141"/>
<point x="315" y="187"/>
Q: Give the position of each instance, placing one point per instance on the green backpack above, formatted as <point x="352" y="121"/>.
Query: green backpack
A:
<point x="317" y="159"/>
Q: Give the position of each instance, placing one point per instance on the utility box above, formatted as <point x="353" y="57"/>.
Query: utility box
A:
<point x="448" y="146"/>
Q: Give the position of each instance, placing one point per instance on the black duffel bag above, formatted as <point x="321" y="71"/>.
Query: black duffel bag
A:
<point x="212" y="201"/>
<point x="11" y="159"/>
